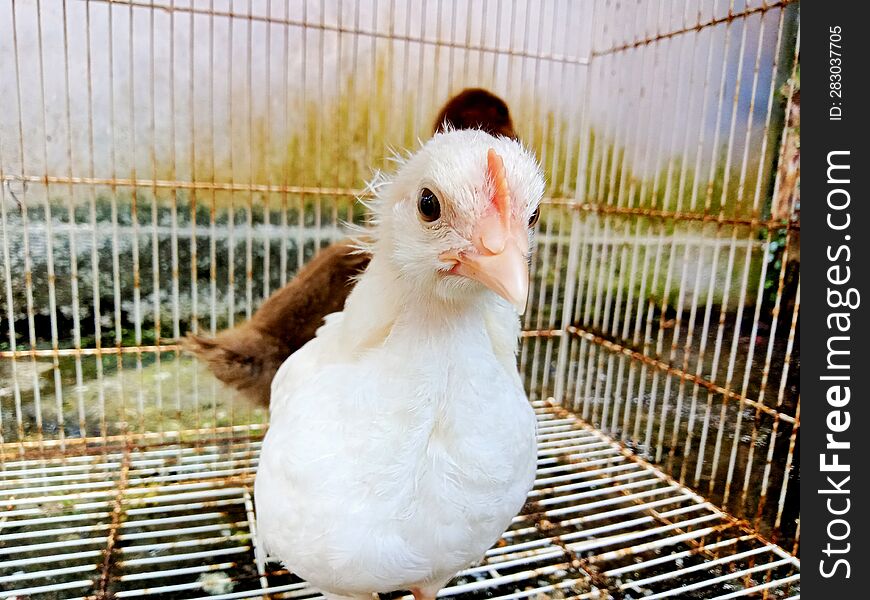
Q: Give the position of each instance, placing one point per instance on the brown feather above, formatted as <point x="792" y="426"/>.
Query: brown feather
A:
<point x="476" y="108"/>
<point x="247" y="356"/>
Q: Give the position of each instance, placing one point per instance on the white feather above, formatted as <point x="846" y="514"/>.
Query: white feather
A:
<point x="401" y="441"/>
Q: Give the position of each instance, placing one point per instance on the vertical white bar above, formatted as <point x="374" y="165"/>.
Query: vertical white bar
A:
<point x="250" y="175"/>
<point x="173" y="170"/>
<point x="25" y="232"/>
<point x="134" y="219"/>
<point x="285" y="160"/>
<point x="572" y="277"/>
<point x="231" y="211"/>
<point x="155" y="238"/>
<point x="193" y="142"/>
<point x="212" y="213"/>
<point x="49" y="237"/>
<point x="193" y="157"/>
<point x="73" y="244"/>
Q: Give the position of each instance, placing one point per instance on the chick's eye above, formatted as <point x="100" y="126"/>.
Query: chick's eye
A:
<point x="428" y="206"/>
<point x="535" y="215"/>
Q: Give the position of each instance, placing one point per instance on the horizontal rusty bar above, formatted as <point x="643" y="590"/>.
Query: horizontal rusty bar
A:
<point x="392" y="36"/>
<point x="185" y="185"/>
<point x="533" y="333"/>
<point x="684" y="375"/>
<point x="162" y="348"/>
<point x="731" y="16"/>
<point x="718" y="218"/>
<point x="98" y="443"/>
<point x="102" y="351"/>
<point x="592" y="207"/>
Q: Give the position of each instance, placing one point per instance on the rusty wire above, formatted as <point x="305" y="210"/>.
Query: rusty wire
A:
<point x="620" y="329"/>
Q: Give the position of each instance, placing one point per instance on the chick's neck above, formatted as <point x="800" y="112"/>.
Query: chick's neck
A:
<point x="387" y="304"/>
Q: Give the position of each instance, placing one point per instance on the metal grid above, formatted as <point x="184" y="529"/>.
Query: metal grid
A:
<point x="166" y="164"/>
<point x="675" y="264"/>
<point x="132" y="519"/>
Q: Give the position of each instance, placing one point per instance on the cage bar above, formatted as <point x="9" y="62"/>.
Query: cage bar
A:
<point x="166" y="164"/>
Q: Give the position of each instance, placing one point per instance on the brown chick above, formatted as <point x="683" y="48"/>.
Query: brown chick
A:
<point x="476" y="108"/>
<point x="247" y="356"/>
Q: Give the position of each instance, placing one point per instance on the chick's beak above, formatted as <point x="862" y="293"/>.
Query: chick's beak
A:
<point x="505" y="273"/>
<point x="500" y="245"/>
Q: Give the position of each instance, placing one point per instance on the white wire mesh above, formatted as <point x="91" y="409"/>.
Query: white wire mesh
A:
<point x="172" y="514"/>
<point x="167" y="165"/>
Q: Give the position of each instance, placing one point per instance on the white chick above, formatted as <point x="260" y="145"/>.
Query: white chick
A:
<point x="401" y="442"/>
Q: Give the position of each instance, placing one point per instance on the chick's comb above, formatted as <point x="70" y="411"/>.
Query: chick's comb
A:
<point x="501" y="197"/>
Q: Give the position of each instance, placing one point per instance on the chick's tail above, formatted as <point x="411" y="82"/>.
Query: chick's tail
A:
<point x="246" y="357"/>
<point x="243" y="358"/>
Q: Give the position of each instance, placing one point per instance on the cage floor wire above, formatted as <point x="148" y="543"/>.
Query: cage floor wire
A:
<point x="173" y="518"/>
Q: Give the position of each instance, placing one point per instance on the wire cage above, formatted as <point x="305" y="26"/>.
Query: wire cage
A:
<point x="167" y="164"/>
